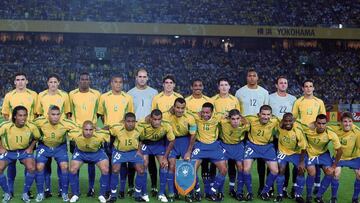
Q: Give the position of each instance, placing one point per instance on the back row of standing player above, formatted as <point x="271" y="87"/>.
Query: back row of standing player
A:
<point x="113" y="105"/>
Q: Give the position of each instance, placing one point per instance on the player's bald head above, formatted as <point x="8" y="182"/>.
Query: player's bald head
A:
<point x="88" y="123"/>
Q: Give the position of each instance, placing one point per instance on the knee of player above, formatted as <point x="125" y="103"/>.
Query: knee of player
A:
<point x="30" y="169"/>
<point x="281" y="171"/>
<point x="146" y="163"/>
<point x="73" y="170"/>
<point x="247" y="168"/>
<point x="115" y="169"/>
<point x="64" y="167"/>
<point x="172" y="167"/>
<point x="239" y="166"/>
<point x="311" y="172"/>
<point x="329" y="172"/>
<point x="223" y="170"/>
<point x="300" y="173"/>
<point x="39" y="167"/>
<point x="104" y="170"/>
<point x="140" y="171"/>
<point x="275" y="171"/>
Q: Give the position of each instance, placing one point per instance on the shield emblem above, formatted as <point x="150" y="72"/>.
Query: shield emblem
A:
<point x="185" y="176"/>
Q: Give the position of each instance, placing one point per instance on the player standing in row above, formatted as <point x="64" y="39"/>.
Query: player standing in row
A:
<point x="50" y="97"/>
<point x="282" y="102"/>
<point x="252" y="96"/>
<point x="194" y="104"/>
<point x="113" y="106"/>
<point x="195" y="101"/>
<point x="305" y="109"/>
<point x="162" y="101"/>
<point x="84" y="103"/>
<point x="23" y="96"/>
<point x="223" y="103"/>
<point x="165" y="99"/>
<point x="142" y="95"/>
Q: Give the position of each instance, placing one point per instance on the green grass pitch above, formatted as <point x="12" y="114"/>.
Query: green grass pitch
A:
<point x="344" y="195"/>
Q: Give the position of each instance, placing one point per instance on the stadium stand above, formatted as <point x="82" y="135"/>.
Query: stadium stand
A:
<point x="231" y="12"/>
<point x="208" y="63"/>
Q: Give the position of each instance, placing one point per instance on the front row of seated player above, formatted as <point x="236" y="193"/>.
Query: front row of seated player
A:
<point x="178" y="133"/>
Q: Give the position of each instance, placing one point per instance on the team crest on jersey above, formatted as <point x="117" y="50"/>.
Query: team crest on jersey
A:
<point x="185" y="177"/>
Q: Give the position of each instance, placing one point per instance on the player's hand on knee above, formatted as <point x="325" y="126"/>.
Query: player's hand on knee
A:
<point x="187" y="156"/>
<point x="329" y="171"/>
<point x="2" y="150"/>
<point x="164" y="162"/>
<point x="301" y="168"/>
<point x="140" y="154"/>
<point x="29" y="150"/>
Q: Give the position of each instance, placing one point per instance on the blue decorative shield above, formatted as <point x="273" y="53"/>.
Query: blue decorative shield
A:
<point x="185" y="176"/>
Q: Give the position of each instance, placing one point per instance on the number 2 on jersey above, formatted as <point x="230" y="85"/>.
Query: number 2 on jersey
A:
<point x="260" y="133"/>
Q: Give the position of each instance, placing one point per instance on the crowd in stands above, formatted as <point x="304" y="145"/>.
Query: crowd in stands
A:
<point x="246" y="12"/>
<point x="336" y="74"/>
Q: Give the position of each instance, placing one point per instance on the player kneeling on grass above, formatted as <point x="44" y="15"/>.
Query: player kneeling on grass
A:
<point x="53" y="144"/>
<point x="156" y="132"/>
<point x="205" y="145"/>
<point x="88" y="149"/>
<point x="183" y="125"/>
<point x="291" y="149"/>
<point x="17" y="143"/>
<point x="232" y="136"/>
<point x="127" y="148"/>
<point x="349" y="135"/>
<point x="319" y="136"/>
<point x="260" y="145"/>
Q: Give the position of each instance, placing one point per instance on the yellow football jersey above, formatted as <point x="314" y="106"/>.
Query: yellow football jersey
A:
<point x="164" y="102"/>
<point x="230" y="135"/>
<point x="84" y="105"/>
<point x="291" y="141"/>
<point x="14" y="138"/>
<point x="156" y="134"/>
<point x="125" y="140"/>
<point x="92" y="144"/>
<point x="182" y="126"/>
<point x="318" y="143"/>
<point x="350" y="141"/>
<point x="262" y="134"/>
<point x="306" y="110"/>
<point x="60" y="99"/>
<point x="224" y="105"/>
<point x="194" y="105"/>
<point x="207" y="131"/>
<point x="28" y="99"/>
<point x="114" y="107"/>
<point x="54" y="135"/>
